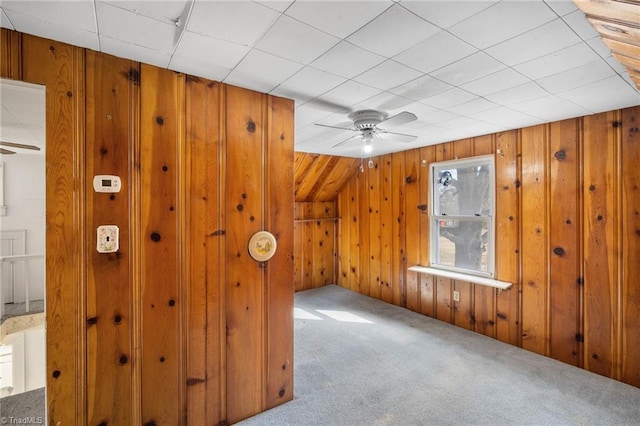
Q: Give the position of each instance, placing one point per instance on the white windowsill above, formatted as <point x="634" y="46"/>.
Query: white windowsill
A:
<point x="489" y="282"/>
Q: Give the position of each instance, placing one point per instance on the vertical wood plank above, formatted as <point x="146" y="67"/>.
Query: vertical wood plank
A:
<point x="205" y="237"/>
<point x="412" y="217"/>
<point x="109" y="293"/>
<point x="375" y="225"/>
<point x="564" y="228"/>
<point x="444" y="286"/>
<point x="399" y="268"/>
<point x="10" y="54"/>
<point x="508" y="250"/>
<point x="160" y="137"/>
<point x="630" y="327"/>
<point x="245" y="277"/>
<point x="354" y="233"/>
<point x="535" y="239"/>
<point x="61" y="68"/>
<point x="364" y="242"/>
<point x="279" y="220"/>
<point x="386" y="229"/>
<point x="600" y="243"/>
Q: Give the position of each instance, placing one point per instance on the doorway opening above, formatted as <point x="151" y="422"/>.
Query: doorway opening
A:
<point x="22" y="251"/>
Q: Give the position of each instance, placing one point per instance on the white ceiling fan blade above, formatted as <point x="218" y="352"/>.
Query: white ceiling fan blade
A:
<point x="399" y="119"/>
<point x="20" y="145"/>
<point x="6" y="151"/>
<point x="345" y="141"/>
<point x="400" y="137"/>
<point x="334" y="127"/>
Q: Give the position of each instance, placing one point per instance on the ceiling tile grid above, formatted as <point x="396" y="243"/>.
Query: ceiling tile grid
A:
<point x="464" y="68"/>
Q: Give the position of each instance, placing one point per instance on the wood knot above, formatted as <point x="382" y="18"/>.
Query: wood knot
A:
<point x="160" y="120"/>
<point x="117" y="319"/>
<point x="69" y="94"/>
<point x="559" y="251"/>
<point x="56" y="374"/>
<point x="92" y="321"/>
<point x="409" y="179"/>
<point x="251" y="127"/>
<point x="123" y="359"/>
<point x="281" y="393"/>
<point x="240" y="207"/>
<point x="422" y="207"/>
<point x="165" y="168"/>
<point x="172" y="302"/>
<point x="560" y="155"/>
<point x="616" y="124"/>
<point x="155" y="237"/>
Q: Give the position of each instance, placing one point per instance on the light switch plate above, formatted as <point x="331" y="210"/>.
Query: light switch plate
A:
<point x="108" y="239"/>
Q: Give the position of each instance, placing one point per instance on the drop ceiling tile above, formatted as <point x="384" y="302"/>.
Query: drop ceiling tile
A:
<point x="387" y="75"/>
<point x="395" y="30"/>
<point x="620" y="95"/>
<point x="437" y="116"/>
<point x="562" y="60"/>
<point x="4" y="21"/>
<point x="495" y="82"/>
<point x="347" y="60"/>
<point x="242" y="22"/>
<point x="307" y="84"/>
<point x="77" y="14"/>
<point x="444" y="14"/>
<point x="129" y="27"/>
<point x="550" y="108"/>
<point x="508" y="118"/>
<point x="262" y="71"/>
<point x="517" y="94"/>
<point x="421" y="88"/>
<point x="579" y="23"/>
<point x="59" y="32"/>
<point x="471" y="108"/>
<point x="296" y="41"/>
<point x="277" y="5"/>
<point x="449" y="98"/>
<point x="541" y="41"/>
<point x="167" y="11"/>
<point x="338" y="18"/>
<point x="502" y="21"/>
<point x="208" y="50"/>
<point x="577" y="77"/>
<point x="435" y="52"/>
<point x="468" y="69"/>
<point x="562" y="7"/>
<point x="599" y="47"/>
<point x="134" y="52"/>
<point x="349" y="93"/>
<point x="308" y="113"/>
<point x="384" y="101"/>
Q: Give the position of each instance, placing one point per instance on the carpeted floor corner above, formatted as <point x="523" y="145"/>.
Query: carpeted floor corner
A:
<point x="359" y="361"/>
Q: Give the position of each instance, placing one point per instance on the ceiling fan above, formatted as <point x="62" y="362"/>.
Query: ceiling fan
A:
<point x="366" y="126"/>
<point x="16" y="145"/>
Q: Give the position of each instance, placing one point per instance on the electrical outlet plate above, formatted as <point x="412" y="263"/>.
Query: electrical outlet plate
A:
<point x="456" y="296"/>
<point x="108" y="239"/>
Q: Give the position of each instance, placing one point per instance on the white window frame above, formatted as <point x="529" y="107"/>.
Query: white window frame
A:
<point x="436" y="216"/>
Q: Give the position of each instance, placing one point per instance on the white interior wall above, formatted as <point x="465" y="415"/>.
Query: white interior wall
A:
<point x="24" y="196"/>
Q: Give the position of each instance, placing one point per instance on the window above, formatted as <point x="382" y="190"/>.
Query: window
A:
<point x="462" y="215"/>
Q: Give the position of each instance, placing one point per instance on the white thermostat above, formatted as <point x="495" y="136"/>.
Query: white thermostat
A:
<point x="106" y="183"/>
<point x="108" y="239"/>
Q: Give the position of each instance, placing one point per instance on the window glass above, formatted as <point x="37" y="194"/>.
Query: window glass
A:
<point x="462" y="215"/>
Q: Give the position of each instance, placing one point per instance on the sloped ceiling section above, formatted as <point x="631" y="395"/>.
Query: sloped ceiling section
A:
<point x="318" y="177"/>
<point x="618" y="23"/>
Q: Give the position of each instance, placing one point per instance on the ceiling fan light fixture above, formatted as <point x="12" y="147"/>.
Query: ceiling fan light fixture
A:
<point x="367" y="147"/>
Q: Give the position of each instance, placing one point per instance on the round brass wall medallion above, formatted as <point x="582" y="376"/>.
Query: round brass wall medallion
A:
<point x="262" y="246"/>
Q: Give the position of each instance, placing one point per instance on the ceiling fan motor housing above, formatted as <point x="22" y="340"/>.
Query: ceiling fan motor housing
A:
<point x="367" y="119"/>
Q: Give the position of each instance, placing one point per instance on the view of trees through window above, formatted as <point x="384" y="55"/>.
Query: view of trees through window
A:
<point x="462" y="215"/>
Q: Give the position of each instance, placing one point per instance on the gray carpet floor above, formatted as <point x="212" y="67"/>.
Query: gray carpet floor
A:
<point x="26" y="408"/>
<point x="359" y="361"/>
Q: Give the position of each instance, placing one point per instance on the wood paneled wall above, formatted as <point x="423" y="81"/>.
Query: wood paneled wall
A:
<point x="568" y="215"/>
<point x="315" y="231"/>
<point x="180" y="326"/>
